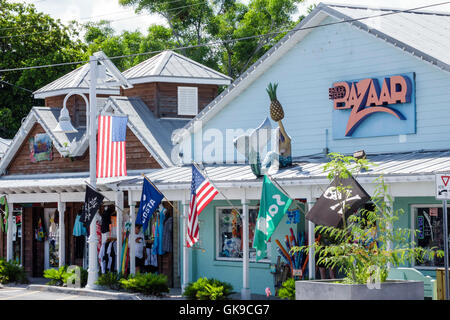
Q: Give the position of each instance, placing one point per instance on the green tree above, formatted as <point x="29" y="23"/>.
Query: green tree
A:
<point x="196" y="22"/>
<point x="30" y="38"/>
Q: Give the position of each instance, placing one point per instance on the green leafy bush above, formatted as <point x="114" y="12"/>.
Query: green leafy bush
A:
<point x="57" y="276"/>
<point x="110" y="280"/>
<point x="146" y="283"/>
<point x="287" y="290"/>
<point x="208" y="289"/>
<point x="361" y="247"/>
<point x="12" y="272"/>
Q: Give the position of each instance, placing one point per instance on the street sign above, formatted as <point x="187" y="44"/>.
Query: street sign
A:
<point x="442" y="193"/>
<point x="443" y="186"/>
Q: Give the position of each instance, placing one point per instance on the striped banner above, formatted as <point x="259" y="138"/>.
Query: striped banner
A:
<point x="111" y="148"/>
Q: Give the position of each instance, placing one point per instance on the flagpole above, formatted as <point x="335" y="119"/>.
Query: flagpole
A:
<point x="229" y="202"/>
<point x="170" y="203"/>
<point x="167" y="200"/>
<point x="284" y="191"/>
<point x="103" y="195"/>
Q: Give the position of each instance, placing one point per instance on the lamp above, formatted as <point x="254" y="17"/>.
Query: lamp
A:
<point x="64" y="125"/>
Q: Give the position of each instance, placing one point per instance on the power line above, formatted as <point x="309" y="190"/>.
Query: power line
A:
<point x="232" y="40"/>
<point x="14" y="85"/>
<point x="97" y="16"/>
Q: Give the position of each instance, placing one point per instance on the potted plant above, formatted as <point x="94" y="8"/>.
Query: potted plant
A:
<point x="363" y="247"/>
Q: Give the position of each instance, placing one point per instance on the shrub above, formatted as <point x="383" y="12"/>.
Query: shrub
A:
<point x="287" y="290"/>
<point x="146" y="283"/>
<point x="110" y="280"/>
<point x="12" y="272"/>
<point x="208" y="289"/>
<point x="57" y="276"/>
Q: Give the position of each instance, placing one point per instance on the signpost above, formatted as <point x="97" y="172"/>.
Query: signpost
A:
<point x="443" y="193"/>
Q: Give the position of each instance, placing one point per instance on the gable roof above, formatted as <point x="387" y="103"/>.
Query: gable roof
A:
<point x="154" y="134"/>
<point x="169" y="66"/>
<point x="78" y="81"/>
<point x="423" y="34"/>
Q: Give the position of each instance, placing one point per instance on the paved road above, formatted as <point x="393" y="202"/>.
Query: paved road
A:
<point x="11" y="293"/>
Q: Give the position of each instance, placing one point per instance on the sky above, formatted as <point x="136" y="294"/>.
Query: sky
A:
<point x="124" y="18"/>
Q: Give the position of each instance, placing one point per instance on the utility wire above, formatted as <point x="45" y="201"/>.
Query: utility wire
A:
<point x="231" y="40"/>
<point x="113" y="20"/>
<point x="14" y="85"/>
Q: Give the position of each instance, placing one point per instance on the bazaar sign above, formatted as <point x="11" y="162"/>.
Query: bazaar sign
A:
<point x="373" y="107"/>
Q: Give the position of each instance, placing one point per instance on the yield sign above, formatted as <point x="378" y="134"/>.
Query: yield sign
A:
<point x="445" y="179"/>
<point x="442" y="186"/>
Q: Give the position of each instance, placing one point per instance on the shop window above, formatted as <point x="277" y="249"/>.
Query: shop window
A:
<point x="428" y="221"/>
<point x="229" y="234"/>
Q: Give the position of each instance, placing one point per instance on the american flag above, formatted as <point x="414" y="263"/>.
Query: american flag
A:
<point x="111" y="156"/>
<point x="202" y="193"/>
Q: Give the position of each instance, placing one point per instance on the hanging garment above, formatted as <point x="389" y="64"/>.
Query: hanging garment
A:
<point x="106" y="220"/>
<point x="147" y="256"/>
<point x="39" y="232"/>
<point x="78" y="227"/>
<point x="112" y="252"/>
<point x="101" y="258"/>
<point x="159" y="230"/>
<point x="153" y="258"/>
<point x="79" y="247"/>
<point x="99" y="238"/>
<point x="140" y="242"/>
<point x="167" y="235"/>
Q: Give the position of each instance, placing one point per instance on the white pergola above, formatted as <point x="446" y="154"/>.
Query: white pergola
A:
<point x="174" y="183"/>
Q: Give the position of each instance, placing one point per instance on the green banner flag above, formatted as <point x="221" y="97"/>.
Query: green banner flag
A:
<point x="273" y="206"/>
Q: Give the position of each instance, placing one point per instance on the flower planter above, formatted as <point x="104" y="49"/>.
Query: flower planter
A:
<point x="329" y="290"/>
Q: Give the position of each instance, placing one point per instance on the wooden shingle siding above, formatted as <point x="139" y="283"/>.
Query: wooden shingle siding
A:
<point x="21" y="163"/>
<point x="75" y="104"/>
<point x="162" y="98"/>
<point x="137" y="158"/>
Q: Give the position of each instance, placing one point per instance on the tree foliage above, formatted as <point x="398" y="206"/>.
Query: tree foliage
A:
<point x="196" y="22"/>
<point x="369" y="241"/>
<point x="30" y="38"/>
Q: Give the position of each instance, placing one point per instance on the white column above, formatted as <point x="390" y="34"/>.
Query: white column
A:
<point x="245" y="292"/>
<point x="119" y="204"/>
<point x="132" y="240"/>
<point x="93" y="255"/>
<point x="185" y="248"/>
<point x="62" y="233"/>
<point x="9" y="234"/>
<point x="311" y="240"/>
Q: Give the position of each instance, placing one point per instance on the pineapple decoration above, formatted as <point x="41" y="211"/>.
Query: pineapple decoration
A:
<point x="276" y="110"/>
<point x="277" y="114"/>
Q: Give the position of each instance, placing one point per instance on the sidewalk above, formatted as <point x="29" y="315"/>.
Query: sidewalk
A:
<point x="39" y="284"/>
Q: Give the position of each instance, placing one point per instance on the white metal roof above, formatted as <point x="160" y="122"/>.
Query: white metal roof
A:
<point x="56" y="183"/>
<point x="78" y="80"/>
<point x="395" y="167"/>
<point x="169" y="66"/>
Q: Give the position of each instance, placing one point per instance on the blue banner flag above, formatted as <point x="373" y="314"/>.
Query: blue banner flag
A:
<point x="150" y="200"/>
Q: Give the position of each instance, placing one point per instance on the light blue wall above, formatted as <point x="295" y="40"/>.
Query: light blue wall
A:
<point x="205" y="264"/>
<point x="326" y="55"/>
